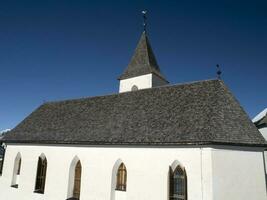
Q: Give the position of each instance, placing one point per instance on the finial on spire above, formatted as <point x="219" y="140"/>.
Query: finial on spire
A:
<point x="144" y="12"/>
<point x="219" y="72"/>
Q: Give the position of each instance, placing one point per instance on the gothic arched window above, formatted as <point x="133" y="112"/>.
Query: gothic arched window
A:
<point x="178" y="184"/>
<point x="2" y="158"/>
<point x="41" y="175"/>
<point x="16" y="171"/>
<point x="77" y="181"/>
<point x="134" y="88"/>
<point x="75" y="175"/>
<point x="121" y="178"/>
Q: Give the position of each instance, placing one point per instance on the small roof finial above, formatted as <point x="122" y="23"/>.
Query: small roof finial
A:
<point x="219" y="72"/>
<point x="144" y="12"/>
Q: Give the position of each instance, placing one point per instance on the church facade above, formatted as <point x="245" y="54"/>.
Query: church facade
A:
<point x="151" y="141"/>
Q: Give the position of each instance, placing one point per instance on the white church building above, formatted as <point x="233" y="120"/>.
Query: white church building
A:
<point x="150" y="141"/>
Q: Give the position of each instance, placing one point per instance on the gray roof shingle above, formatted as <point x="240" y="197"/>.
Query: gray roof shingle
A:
<point x="202" y="112"/>
<point x="143" y="61"/>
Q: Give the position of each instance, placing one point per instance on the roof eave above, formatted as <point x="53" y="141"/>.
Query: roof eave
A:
<point x="183" y="143"/>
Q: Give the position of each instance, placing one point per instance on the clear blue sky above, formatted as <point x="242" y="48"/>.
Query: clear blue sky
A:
<point x="53" y="50"/>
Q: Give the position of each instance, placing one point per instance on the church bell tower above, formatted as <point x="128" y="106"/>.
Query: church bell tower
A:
<point x="143" y="71"/>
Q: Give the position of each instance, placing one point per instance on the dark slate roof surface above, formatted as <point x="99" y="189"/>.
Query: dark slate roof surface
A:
<point x="143" y="61"/>
<point x="195" y="113"/>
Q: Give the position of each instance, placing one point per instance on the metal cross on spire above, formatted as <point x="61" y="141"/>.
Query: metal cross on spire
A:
<point x="219" y="72"/>
<point x="144" y="12"/>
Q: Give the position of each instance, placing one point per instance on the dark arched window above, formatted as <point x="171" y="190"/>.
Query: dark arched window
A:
<point x="178" y="184"/>
<point x="2" y="158"/>
<point x="19" y="166"/>
<point x="121" y="178"/>
<point x="77" y="181"/>
<point x="16" y="171"/>
<point x="134" y="88"/>
<point x="41" y="175"/>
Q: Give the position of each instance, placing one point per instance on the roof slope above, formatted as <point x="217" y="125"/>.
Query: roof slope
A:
<point x="195" y="113"/>
<point x="143" y="61"/>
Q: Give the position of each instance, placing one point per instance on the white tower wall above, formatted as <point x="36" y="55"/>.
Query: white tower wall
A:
<point x="141" y="82"/>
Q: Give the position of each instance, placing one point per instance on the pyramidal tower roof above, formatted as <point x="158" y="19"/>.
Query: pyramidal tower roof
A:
<point x="143" y="61"/>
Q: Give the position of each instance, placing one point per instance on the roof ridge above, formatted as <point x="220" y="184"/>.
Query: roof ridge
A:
<point x="118" y="94"/>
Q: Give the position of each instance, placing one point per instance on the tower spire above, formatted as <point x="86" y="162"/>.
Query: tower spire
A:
<point x="143" y="61"/>
<point x="143" y="70"/>
<point x="144" y="12"/>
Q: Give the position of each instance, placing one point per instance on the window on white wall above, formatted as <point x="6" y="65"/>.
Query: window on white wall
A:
<point x="134" y="88"/>
<point x="2" y="158"/>
<point x="41" y="175"/>
<point x="75" y="174"/>
<point x="178" y="184"/>
<point x="16" y="171"/>
<point x="121" y="178"/>
<point x="77" y="181"/>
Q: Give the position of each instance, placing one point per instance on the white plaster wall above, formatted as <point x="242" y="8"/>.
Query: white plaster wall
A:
<point x="147" y="172"/>
<point x="238" y="175"/>
<point x="206" y="175"/>
<point x="142" y="82"/>
<point x="213" y="174"/>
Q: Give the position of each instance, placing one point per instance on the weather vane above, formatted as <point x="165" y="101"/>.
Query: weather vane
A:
<point x="219" y="72"/>
<point x="144" y="12"/>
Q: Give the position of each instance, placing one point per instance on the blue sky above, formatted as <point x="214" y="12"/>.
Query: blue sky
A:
<point x="54" y="50"/>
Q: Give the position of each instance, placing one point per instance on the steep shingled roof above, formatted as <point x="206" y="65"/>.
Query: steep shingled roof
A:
<point x="202" y="112"/>
<point x="143" y="61"/>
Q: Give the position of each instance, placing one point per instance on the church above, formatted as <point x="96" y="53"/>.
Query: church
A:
<point x="150" y="141"/>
